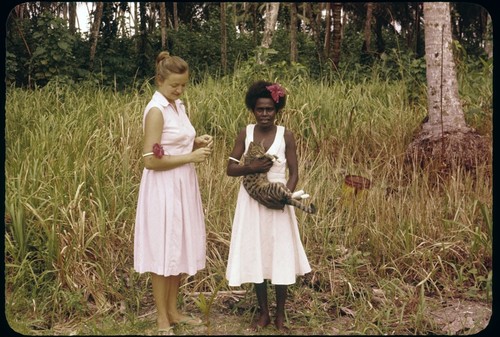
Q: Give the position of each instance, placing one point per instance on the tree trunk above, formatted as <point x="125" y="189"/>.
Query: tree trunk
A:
<point x="151" y="22"/>
<point x="223" y="43"/>
<point x="122" y="24"/>
<point x="311" y="15"/>
<point x="444" y="141"/>
<point x="380" y="43"/>
<point x="94" y="32"/>
<point x="294" y="53"/>
<point x="136" y="18"/>
<point x="488" y="35"/>
<point x="142" y="40"/>
<point x="62" y="10"/>
<point x="176" y="17"/>
<point x="272" y="10"/>
<point x="367" y="29"/>
<point x="328" y="31"/>
<point x="72" y="17"/>
<point x="444" y="108"/>
<point x="337" y="34"/>
<point x="163" y="24"/>
<point x="271" y="15"/>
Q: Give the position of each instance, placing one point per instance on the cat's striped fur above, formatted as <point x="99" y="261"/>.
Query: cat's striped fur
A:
<point x="261" y="189"/>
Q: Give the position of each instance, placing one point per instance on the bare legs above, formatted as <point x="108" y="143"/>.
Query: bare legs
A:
<point x="264" y="318"/>
<point x="281" y="292"/>
<point x="165" y="291"/>
<point x="161" y="293"/>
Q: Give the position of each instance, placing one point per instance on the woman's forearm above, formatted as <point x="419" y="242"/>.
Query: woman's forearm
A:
<point x="167" y="162"/>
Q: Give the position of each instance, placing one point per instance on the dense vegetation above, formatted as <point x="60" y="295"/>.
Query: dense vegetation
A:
<point x="42" y="46"/>
<point x="73" y="166"/>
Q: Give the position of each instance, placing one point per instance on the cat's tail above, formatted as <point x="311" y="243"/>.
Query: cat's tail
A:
<point x="311" y="209"/>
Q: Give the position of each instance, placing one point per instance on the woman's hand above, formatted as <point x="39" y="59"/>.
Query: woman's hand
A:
<point x="260" y="165"/>
<point x="203" y="141"/>
<point x="201" y="154"/>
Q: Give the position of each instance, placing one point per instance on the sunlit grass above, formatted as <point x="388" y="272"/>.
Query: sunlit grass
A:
<point x="73" y="168"/>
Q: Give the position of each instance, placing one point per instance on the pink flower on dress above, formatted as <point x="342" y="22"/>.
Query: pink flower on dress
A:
<point x="158" y="150"/>
<point x="276" y="91"/>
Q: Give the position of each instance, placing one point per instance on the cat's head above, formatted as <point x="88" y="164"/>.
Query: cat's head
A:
<point x="255" y="151"/>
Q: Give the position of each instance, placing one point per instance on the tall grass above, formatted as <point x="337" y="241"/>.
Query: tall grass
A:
<point x="73" y="168"/>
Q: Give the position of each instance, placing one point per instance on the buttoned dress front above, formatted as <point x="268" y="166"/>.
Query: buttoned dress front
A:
<point x="170" y="233"/>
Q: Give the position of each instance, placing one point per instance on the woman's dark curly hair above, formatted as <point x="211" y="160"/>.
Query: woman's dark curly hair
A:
<point x="258" y="90"/>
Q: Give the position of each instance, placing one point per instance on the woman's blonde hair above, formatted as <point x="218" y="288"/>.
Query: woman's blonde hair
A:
<point x="166" y="65"/>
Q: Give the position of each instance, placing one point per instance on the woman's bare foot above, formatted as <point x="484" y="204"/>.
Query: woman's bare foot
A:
<point x="164" y="327"/>
<point x="279" y="322"/>
<point x="185" y="319"/>
<point x="262" y="322"/>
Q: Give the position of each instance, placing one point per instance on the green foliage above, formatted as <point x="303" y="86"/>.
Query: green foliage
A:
<point x="202" y="50"/>
<point x="53" y="50"/>
<point x="41" y="48"/>
<point x="259" y="67"/>
<point x="72" y="170"/>
<point x="118" y="57"/>
<point x="307" y="53"/>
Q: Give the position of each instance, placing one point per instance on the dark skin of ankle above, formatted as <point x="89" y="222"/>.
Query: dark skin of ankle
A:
<point x="264" y="318"/>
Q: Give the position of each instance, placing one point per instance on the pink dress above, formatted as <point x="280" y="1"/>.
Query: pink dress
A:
<point x="170" y="227"/>
<point x="265" y="243"/>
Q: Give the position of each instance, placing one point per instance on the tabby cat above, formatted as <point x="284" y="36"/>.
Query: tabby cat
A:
<point x="258" y="187"/>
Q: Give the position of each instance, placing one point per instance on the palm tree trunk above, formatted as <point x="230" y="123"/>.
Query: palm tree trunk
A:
<point x="272" y="10"/>
<point x="328" y="32"/>
<point x="176" y="17"/>
<point x="445" y="110"/>
<point x="271" y="15"/>
<point x="445" y="142"/>
<point x="72" y="17"/>
<point x="367" y="29"/>
<point x="163" y="23"/>
<point x="337" y="33"/>
<point x="94" y="32"/>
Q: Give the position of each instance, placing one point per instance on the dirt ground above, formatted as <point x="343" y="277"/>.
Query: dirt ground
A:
<point x="452" y="317"/>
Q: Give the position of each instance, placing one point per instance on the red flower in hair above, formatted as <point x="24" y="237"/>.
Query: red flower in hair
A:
<point x="158" y="150"/>
<point x="276" y="91"/>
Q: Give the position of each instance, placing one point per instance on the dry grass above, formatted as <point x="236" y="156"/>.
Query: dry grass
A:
<point x="72" y="173"/>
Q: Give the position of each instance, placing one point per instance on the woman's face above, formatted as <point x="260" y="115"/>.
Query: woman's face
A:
<point x="264" y="112"/>
<point x="174" y="85"/>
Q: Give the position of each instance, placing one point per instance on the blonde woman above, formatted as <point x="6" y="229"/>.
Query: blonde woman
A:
<point x="170" y="237"/>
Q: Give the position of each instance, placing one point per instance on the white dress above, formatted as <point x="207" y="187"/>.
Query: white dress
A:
<point x="170" y="227"/>
<point x="265" y="243"/>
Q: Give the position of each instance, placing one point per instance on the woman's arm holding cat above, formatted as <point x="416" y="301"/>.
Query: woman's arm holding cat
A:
<point x="257" y="166"/>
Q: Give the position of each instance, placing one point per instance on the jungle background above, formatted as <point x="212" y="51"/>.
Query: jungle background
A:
<point x="409" y="255"/>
